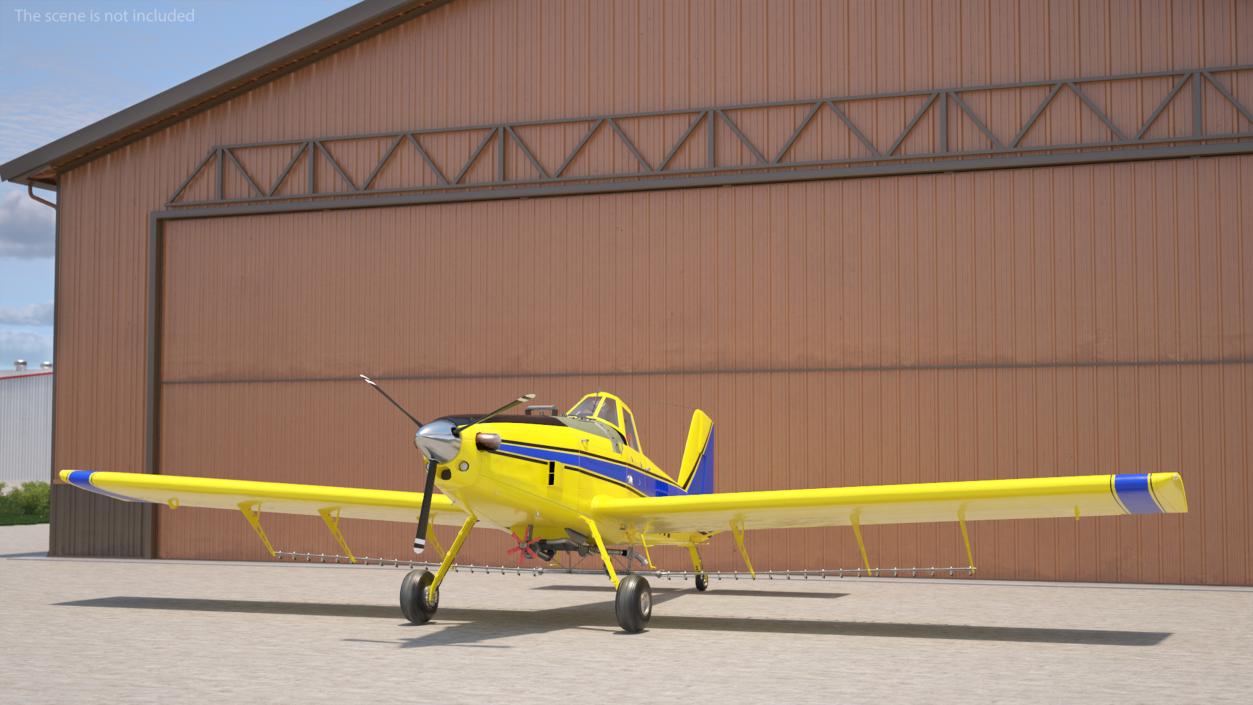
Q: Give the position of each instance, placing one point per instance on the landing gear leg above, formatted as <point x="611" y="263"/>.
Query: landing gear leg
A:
<point x="419" y="591"/>
<point x="633" y="605"/>
<point x="702" y="580"/>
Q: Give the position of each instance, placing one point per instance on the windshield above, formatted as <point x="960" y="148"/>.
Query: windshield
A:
<point x="609" y="412"/>
<point x="585" y="407"/>
<point x="595" y="426"/>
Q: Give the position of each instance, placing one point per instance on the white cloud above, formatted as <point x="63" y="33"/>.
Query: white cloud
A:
<point x="24" y="345"/>
<point x="32" y="315"/>
<point x="27" y="228"/>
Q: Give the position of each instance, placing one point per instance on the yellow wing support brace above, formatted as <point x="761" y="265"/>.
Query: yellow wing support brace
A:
<point x="970" y="556"/>
<point x="647" y="555"/>
<point x="738" y="531"/>
<point x="861" y="545"/>
<point x="330" y="516"/>
<point x="432" y="539"/>
<point x="252" y="512"/>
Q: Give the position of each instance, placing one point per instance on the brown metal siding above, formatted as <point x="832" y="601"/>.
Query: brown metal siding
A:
<point x="86" y="524"/>
<point x="1127" y="263"/>
<point x="99" y="395"/>
<point x="842" y="332"/>
<point x="939" y="307"/>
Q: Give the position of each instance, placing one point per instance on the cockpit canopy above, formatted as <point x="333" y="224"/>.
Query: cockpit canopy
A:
<point x="611" y="410"/>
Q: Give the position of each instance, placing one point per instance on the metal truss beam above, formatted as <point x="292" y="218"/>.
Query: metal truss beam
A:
<point x="949" y="107"/>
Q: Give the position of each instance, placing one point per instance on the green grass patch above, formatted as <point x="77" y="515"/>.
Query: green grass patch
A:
<point x="20" y="519"/>
<point x="27" y="504"/>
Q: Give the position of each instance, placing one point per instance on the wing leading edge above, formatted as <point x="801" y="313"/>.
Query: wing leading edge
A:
<point x="272" y="497"/>
<point x="1034" y="498"/>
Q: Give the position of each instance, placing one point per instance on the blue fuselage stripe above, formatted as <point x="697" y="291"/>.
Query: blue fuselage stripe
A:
<point x="647" y="484"/>
<point x="1134" y="493"/>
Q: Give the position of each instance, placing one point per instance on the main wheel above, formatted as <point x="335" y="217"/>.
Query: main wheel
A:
<point x="416" y="599"/>
<point x="702" y="582"/>
<point x="634" y="604"/>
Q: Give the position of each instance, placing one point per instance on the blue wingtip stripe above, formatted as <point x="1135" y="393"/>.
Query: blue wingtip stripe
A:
<point x="1135" y="494"/>
<point x="82" y="480"/>
<point x="78" y="477"/>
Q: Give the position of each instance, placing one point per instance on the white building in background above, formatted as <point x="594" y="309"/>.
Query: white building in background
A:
<point x="25" y="424"/>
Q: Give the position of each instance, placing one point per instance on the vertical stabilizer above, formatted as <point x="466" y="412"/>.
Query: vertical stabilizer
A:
<point x="696" y="472"/>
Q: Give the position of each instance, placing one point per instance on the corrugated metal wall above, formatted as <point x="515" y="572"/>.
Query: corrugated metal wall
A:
<point x="1011" y="324"/>
<point x="1001" y="324"/>
<point x="25" y="428"/>
<point x="87" y="524"/>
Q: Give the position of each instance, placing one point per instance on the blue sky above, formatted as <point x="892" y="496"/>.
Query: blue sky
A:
<point x="68" y="64"/>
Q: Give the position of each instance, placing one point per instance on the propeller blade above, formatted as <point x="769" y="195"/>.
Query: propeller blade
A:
<point x="424" y="516"/>
<point x="395" y="403"/>
<point x="524" y="398"/>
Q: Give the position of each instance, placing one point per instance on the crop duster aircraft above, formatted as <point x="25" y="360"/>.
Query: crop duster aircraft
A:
<point x="581" y="482"/>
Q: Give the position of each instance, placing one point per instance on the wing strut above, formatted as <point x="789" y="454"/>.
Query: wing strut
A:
<point x="861" y="545"/>
<point x="738" y="530"/>
<point x="970" y="556"/>
<point x="252" y="512"/>
<point x="648" y="558"/>
<point x="434" y="541"/>
<point x="330" y="515"/>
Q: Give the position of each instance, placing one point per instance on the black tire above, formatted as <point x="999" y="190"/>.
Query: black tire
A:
<point x="702" y="582"/>
<point x="416" y="603"/>
<point x="634" y="604"/>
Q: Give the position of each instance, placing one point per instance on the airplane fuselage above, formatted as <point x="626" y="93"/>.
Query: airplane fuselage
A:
<point x="543" y="475"/>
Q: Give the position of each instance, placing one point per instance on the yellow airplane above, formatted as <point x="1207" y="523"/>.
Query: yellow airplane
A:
<point x="581" y="482"/>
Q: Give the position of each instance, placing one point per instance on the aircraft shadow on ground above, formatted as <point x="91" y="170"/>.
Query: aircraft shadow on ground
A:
<point x="467" y="627"/>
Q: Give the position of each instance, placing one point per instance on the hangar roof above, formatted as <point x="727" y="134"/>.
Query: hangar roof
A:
<point x="40" y="166"/>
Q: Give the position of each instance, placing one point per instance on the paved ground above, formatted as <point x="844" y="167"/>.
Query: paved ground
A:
<point x="165" y="632"/>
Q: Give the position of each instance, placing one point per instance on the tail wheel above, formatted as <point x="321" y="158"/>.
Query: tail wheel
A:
<point x="634" y="604"/>
<point x="417" y="601"/>
<point x="702" y="582"/>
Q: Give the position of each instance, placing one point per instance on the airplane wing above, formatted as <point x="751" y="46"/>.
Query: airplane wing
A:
<point x="1034" y="498"/>
<point x="270" y="497"/>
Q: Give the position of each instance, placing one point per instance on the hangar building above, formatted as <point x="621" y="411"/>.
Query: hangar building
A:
<point x="25" y="424"/>
<point x="878" y="243"/>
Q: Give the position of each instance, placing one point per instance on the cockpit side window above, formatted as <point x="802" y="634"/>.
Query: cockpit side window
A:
<point x="609" y="411"/>
<point x="586" y="407"/>
<point x="628" y="421"/>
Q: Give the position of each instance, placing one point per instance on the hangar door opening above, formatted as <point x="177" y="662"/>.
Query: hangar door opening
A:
<point x="1019" y="323"/>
